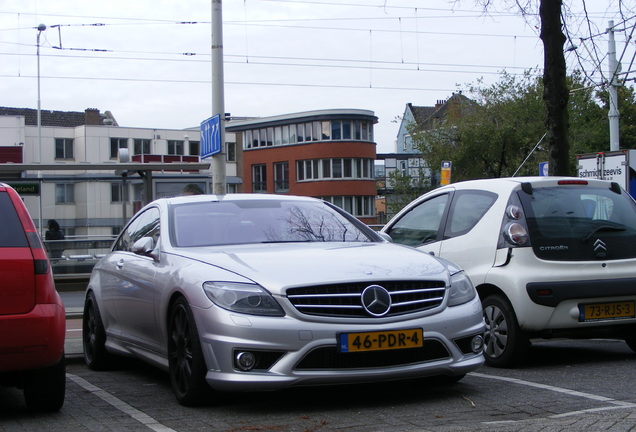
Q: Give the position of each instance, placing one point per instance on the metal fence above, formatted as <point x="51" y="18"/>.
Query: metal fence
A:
<point x="75" y="257"/>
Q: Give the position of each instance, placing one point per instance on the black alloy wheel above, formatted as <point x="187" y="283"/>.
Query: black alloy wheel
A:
<point x="186" y="362"/>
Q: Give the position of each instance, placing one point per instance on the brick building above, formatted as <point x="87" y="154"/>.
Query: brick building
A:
<point x="327" y="154"/>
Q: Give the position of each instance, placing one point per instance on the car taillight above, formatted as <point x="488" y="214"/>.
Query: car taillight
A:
<point x="516" y="234"/>
<point x="514" y="212"/>
<point x="514" y="230"/>
<point x="40" y="257"/>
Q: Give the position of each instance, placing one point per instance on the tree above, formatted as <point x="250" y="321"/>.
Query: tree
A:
<point x="627" y="109"/>
<point x="494" y="136"/>
<point x="501" y="135"/>
<point x="555" y="89"/>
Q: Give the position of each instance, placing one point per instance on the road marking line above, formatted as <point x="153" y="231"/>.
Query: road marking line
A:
<point x="617" y="404"/>
<point x="122" y="406"/>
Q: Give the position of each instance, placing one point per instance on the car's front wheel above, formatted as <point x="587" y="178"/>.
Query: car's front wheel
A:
<point x="505" y="343"/>
<point x="187" y="365"/>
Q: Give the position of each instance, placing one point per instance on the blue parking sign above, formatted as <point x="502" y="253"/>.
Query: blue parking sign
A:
<point x="211" y="136"/>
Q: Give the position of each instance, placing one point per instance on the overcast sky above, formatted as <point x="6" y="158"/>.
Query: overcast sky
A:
<point x="148" y="62"/>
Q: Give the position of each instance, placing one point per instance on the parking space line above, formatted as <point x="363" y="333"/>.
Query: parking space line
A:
<point x="617" y="404"/>
<point x="122" y="406"/>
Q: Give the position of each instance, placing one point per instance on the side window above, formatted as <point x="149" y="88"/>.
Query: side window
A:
<point x="148" y="226"/>
<point x="466" y="210"/>
<point x="144" y="225"/>
<point x="124" y="242"/>
<point x="420" y="225"/>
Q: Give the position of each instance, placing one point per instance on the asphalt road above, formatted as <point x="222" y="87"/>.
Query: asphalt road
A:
<point x="562" y="386"/>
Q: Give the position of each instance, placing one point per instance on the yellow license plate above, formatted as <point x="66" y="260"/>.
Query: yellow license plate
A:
<point x="381" y="340"/>
<point x="606" y="311"/>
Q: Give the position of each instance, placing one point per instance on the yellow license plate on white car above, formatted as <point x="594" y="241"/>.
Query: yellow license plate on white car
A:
<point x="380" y="340"/>
<point x="606" y="311"/>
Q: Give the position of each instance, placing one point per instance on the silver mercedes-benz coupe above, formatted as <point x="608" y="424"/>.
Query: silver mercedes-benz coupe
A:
<point x="254" y="292"/>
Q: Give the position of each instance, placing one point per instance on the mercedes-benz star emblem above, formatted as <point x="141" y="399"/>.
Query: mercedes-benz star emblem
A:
<point x="376" y="300"/>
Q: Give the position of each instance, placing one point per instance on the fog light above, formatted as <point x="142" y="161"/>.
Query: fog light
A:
<point x="477" y="344"/>
<point x="245" y="360"/>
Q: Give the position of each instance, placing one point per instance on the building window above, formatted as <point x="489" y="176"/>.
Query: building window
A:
<point x="359" y="206"/>
<point x="230" y="152"/>
<point x="336" y="168"/>
<point x="278" y="136"/>
<point x="281" y="177"/>
<point x="141" y="146"/>
<point x="270" y="136"/>
<point x="307" y="132"/>
<point x="64" y="193"/>
<point x="345" y="168"/>
<point x="326" y="130"/>
<point x="175" y="147"/>
<point x="336" y="130"/>
<point x="116" y="144"/>
<point x="116" y="193"/>
<point x="346" y="129"/>
<point x="194" y="148"/>
<point x="259" y="178"/>
<point x="366" y="131"/>
<point x="64" y="148"/>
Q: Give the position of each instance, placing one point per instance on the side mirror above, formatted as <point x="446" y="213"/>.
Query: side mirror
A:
<point x="144" y="246"/>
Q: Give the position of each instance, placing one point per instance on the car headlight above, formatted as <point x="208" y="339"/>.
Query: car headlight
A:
<point x="243" y="298"/>
<point x="461" y="290"/>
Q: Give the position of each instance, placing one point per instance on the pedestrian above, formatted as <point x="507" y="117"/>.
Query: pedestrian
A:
<point x="192" y="189"/>
<point x="54" y="233"/>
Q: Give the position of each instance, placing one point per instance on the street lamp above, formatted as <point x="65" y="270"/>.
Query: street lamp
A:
<point x="40" y="29"/>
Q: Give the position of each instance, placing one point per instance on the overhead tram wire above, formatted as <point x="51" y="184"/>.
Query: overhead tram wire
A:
<point x="333" y="63"/>
<point x="253" y="83"/>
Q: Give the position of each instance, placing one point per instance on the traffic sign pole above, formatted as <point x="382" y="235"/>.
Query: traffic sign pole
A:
<point x="218" y="97"/>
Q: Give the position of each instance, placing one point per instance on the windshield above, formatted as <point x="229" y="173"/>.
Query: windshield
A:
<point x="261" y="221"/>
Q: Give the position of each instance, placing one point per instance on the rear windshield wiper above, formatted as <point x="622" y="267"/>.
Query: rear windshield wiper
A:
<point x="603" y="228"/>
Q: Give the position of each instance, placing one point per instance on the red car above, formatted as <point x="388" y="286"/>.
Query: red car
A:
<point x="32" y="317"/>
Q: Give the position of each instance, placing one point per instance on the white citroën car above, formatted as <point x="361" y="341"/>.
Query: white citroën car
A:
<point x="549" y="256"/>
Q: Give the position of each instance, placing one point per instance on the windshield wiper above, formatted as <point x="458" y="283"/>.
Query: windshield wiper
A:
<point x="603" y="228"/>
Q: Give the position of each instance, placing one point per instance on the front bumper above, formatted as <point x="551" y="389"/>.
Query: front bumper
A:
<point x="301" y="352"/>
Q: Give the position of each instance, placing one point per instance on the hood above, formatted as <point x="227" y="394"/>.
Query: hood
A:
<point x="277" y="267"/>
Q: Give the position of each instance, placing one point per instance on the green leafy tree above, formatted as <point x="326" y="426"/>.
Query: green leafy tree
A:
<point x="627" y="121"/>
<point x="492" y="137"/>
<point x="502" y="134"/>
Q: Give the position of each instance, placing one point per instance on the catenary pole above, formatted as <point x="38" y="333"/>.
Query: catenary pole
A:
<point x="218" y="103"/>
<point x="613" y="113"/>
